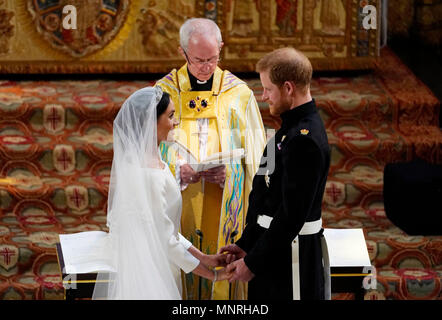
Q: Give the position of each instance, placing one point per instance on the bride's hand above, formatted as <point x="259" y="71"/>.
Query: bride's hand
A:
<point x="215" y="260"/>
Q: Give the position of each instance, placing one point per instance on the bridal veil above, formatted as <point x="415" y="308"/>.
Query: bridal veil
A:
<point x="136" y="242"/>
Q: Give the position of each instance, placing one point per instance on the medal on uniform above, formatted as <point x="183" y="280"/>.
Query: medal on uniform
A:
<point x="279" y="143"/>
<point x="267" y="179"/>
<point x="304" y="132"/>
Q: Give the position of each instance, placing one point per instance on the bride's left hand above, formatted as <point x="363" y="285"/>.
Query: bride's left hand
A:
<point x="215" y="260"/>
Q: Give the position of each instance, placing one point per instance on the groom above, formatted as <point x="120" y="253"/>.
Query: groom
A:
<point x="279" y="252"/>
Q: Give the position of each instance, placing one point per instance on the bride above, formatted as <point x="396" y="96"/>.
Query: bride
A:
<point x="144" y="209"/>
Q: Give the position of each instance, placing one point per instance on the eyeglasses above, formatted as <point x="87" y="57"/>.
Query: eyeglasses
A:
<point x="200" y="62"/>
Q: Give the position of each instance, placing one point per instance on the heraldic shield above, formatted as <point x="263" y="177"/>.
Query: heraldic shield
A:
<point x="96" y="21"/>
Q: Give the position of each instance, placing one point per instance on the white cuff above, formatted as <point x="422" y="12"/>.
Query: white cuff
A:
<point x="186" y="243"/>
<point x="190" y="262"/>
<point x="178" y="165"/>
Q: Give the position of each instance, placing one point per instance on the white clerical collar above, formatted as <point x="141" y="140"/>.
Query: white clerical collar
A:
<point x="201" y="82"/>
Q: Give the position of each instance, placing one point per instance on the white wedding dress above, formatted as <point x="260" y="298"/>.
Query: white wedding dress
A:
<point x="144" y="245"/>
<point x="145" y="271"/>
<point x="179" y="256"/>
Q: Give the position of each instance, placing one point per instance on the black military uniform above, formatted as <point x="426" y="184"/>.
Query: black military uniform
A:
<point x="292" y="195"/>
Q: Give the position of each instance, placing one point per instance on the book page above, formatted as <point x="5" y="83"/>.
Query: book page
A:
<point x="347" y="248"/>
<point x="226" y="155"/>
<point x="219" y="159"/>
<point x="212" y="161"/>
<point x="85" y="252"/>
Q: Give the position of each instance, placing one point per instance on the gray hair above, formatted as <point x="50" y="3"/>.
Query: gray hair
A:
<point x="200" y="26"/>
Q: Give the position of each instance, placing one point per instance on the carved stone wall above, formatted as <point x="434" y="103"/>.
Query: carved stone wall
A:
<point x="142" y="35"/>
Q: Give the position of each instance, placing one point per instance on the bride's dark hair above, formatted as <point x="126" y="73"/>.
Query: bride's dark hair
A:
<point x="163" y="104"/>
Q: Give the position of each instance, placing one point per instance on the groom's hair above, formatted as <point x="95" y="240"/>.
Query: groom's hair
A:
<point x="287" y="64"/>
<point x="163" y="104"/>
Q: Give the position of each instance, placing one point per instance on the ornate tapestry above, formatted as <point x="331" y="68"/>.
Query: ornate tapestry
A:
<point x="107" y="36"/>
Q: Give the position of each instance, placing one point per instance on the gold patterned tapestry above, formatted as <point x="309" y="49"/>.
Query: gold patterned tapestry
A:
<point x="111" y="36"/>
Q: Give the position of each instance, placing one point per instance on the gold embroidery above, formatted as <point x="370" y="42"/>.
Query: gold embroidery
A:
<point x="198" y="104"/>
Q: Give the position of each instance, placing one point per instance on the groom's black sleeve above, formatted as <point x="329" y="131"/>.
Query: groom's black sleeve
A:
<point x="298" y="181"/>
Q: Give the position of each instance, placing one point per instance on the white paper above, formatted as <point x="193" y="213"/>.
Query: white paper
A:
<point x="347" y="248"/>
<point x="85" y="252"/>
<point x="218" y="159"/>
<point x="212" y="161"/>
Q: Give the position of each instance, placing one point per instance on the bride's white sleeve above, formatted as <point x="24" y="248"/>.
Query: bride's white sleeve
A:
<point x="178" y="249"/>
<point x="186" y="243"/>
<point x="175" y="248"/>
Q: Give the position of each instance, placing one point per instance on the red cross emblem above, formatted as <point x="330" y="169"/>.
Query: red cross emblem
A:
<point x="53" y="118"/>
<point x="334" y="193"/>
<point x="9" y="255"/>
<point x="64" y="158"/>
<point x="77" y="198"/>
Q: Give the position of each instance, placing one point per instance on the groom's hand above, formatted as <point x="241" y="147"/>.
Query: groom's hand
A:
<point x="232" y="252"/>
<point x="239" y="271"/>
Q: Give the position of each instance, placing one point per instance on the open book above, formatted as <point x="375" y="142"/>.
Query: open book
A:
<point x="85" y="252"/>
<point x="212" y="161"/>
